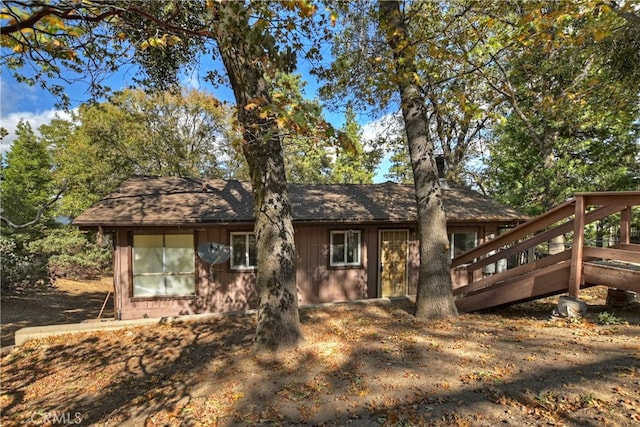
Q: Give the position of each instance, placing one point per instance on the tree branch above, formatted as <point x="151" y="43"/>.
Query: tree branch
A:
<point x="72" y="14"/>
<point x="68" y="14"/>
<point x="38" y="214"/>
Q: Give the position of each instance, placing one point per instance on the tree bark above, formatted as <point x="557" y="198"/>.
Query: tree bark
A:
<point x="434" y="299"/>
<point x="278" y="324"/>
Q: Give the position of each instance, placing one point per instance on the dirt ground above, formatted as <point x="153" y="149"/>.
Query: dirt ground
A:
<point x="370" y="364"/>
<point x="68" y="301"/>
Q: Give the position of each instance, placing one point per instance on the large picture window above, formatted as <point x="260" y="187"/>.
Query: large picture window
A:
<point x="345" y="248"/>
<point x="244" y="255"/>
<point x="163" y="265"/>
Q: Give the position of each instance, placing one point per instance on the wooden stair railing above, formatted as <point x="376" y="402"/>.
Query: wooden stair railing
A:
<point x="570" y="217"/>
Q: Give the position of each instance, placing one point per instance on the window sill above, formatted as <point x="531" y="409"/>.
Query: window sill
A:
<point x="346" y="267"/>
<point x="163" y="298"/>
<point x="243" y="269"/>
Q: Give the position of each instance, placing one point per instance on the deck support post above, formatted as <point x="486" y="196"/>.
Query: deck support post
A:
<point x="625" y="225"/>
<point x="576" y="274"/>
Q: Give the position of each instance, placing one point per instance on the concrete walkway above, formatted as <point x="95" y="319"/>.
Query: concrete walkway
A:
<point x="37" y="332"/>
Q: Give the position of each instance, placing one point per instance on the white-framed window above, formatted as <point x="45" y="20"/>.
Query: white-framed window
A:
<point x="461" y="242"/>
<point x="163" y="265"/>
<point x="244" y="255"/>
<point x="345" y="248"/>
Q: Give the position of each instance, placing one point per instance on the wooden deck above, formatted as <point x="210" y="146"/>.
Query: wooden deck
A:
<point x="534" y="273"/>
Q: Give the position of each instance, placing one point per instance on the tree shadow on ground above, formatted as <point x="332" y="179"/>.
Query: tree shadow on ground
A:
<point x="371" y="363"/>
<point x="49" y="305"/>
<point x="155" y="369"/>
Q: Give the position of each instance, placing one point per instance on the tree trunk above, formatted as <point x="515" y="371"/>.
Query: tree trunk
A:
<point x="434" y="298"/>
<point x="278" y="319"/>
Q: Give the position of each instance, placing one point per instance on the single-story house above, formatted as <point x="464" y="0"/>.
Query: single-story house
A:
<point x="353" y="241"/>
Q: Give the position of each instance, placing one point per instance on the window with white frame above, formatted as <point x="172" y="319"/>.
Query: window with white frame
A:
<point x="345" y="248"/>
<point x="244" y="255"/>
<point x="163" y="265"/>
<point x="461" y="242"/>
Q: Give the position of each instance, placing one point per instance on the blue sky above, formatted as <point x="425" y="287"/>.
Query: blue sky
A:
<point x="38" y="106"/>
<point x="19" y="101"/>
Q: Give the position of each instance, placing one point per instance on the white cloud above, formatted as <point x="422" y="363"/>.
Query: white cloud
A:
<point x="14" y="94"/>
<point x="191" y="80"/>
<point x="387" y="127"/>
<point x="10" y="121"/>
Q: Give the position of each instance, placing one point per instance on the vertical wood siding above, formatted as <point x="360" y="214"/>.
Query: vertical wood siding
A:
<point x="318" y="282"/>
<point x="232" y="290"/>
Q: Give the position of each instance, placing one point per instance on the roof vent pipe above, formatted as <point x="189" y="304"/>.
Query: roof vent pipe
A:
<point x="442" y="168"/>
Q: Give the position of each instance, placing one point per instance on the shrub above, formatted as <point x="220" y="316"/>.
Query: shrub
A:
<point x="73" y="254"/>
<point x="605" y="318"/>
<point x="20" y="268"/>
<point x="86" y="265"/>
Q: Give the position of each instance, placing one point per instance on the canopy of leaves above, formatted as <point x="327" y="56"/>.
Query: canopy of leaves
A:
<point x="554" y="71"/>
<point x="458" y="106"/>
<point x="522" y="175"/>
<point x="136" y="133"/>
<point x="314" y="152"/>
<point x="353" y="163"/>
<point x="54" y="44"/>
<point x="570" y="120"/>
<point x="26" y="177"/>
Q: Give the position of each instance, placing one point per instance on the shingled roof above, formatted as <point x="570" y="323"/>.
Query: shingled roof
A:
<point x="172" y="201"/>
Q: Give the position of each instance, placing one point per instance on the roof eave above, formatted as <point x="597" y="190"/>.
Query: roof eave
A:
<point x="94" y="225"/>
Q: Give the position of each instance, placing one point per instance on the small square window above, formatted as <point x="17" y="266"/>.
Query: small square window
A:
<point x="243" y="251"/>
<point x="461" y="243"/>
<point x="345" y="248"/>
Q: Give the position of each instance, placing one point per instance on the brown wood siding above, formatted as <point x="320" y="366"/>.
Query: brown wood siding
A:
<point x="121" y="272"/>
<point x="318" y="282"/>
<point x="233" y="290"/>
<point x="228" y="290"/>
<point x="371" y="240"/>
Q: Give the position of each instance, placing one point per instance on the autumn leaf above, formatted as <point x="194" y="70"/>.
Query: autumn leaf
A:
<point x="333" y="18"/>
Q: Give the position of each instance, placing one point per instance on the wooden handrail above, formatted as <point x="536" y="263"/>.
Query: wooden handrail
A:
<point x="613" y="254"/>
<point x="628" y="198"/>
<point x="538" y="223"/>
<point x="626" y="247"/>
<point x="545" y="236"/>
<point x="571" y="216"/>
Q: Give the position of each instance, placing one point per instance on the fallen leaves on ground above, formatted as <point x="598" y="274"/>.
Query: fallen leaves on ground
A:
<point x="371" y="363"/>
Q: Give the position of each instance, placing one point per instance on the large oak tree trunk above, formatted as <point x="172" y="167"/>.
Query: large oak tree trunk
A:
<point x="434" y="299"/>
<point x="278" y="319"/>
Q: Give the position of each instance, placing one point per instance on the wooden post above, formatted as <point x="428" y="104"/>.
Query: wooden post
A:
<point x="104" y="304"/>
<point x="575" y="276"/>
<point x="625" y="225"/>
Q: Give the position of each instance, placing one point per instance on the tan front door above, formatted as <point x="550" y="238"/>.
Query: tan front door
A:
<point x="394" y="256"/>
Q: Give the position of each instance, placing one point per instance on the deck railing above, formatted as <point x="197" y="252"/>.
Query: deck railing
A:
<point x="521" y="250"/>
